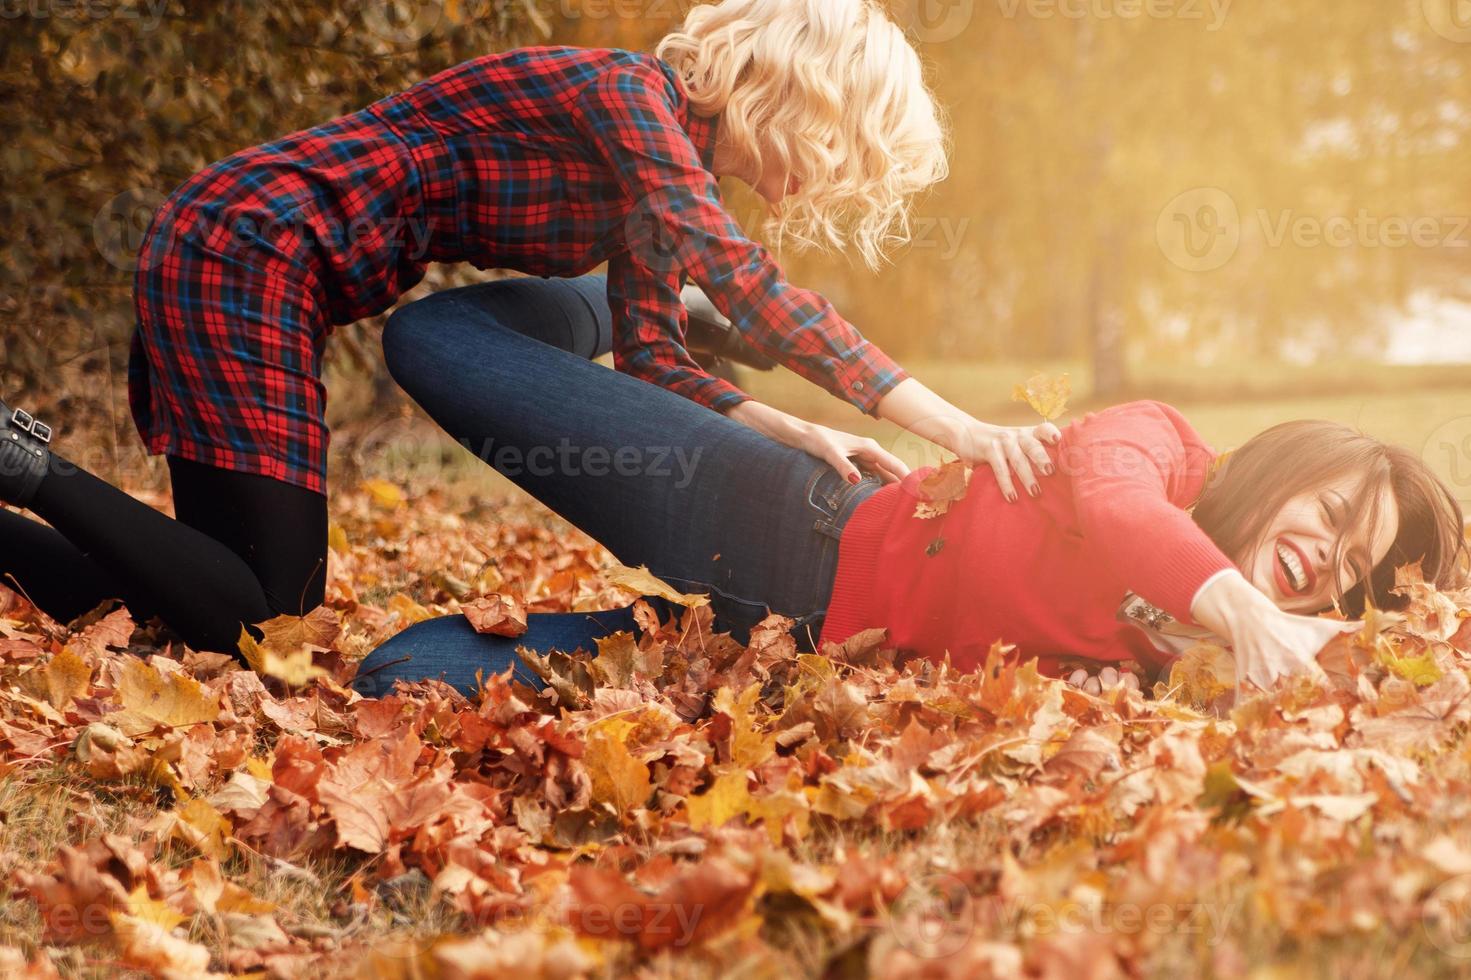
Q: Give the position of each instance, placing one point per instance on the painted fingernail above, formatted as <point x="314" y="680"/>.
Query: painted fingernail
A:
<point x="852" y="477"/>
<point x="1034" y="490"/>
<point x="1047" y="470"/>
<point x="1011" y="496"/>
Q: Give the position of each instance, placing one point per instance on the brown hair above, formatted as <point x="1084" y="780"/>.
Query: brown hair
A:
<point x="1251" y="484"/>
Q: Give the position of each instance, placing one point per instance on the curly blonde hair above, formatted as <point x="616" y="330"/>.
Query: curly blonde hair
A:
<point x="835" y="90"/>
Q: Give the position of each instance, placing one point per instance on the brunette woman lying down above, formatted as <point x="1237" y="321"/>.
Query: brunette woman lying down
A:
<point x="1145" y="541"/>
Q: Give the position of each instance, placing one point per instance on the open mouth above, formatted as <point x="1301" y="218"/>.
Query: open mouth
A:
<point x="1293" y="575"/>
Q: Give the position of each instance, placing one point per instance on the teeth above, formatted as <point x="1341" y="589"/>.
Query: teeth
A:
<point x="1293" y="566"/>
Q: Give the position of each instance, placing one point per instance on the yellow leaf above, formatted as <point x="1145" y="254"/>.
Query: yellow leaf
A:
<point x="294" y="669"/>
<point x="1047" y="396"/>
<point x="1203" y="674"/>
<point x="151" y="947"/>
<point x="407" y="609"/>
<point x="66" y="676"/>
<point x="1422" y="671"/>
<point x="146" y="909"/>
<point x="254" y="656"/>
<point x="644" y="582"/>
<point x="337" y="539"/>
<point x="727" y="799"/>
<point x="152" y="698"/>
<point x="384" y="494"/>
<point x="202" y="826"/>
<point x="750" y="745"/>
<point x="774" y="808"/>
<point x="617" y="777"/>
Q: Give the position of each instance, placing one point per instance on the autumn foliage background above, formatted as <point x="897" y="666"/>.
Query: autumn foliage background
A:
<point x="1255" y="211"/>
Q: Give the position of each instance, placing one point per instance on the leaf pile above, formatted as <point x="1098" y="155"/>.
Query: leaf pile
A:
<point x="679" y="803"/>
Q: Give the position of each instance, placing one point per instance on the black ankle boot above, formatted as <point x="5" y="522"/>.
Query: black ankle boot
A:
<point x="24" y="456"/>
<point x="713" y="338"/>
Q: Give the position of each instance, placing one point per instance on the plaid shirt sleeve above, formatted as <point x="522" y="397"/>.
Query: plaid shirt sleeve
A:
<point x="643" y="346"/>
<point x="678" y="225"/>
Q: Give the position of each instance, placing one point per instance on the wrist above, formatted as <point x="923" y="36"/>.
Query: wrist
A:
<point x="1229" y="603"/>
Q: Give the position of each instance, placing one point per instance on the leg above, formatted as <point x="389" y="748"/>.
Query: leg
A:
<point x="569" y="314"/>
<point x="448" y="648"/>
<point x="47" y="568"/>
<point x="202" y="589"/>
<point x="280" y="530"/>
<point x="705" y="502"/>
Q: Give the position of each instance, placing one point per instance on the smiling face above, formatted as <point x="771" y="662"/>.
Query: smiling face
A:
<point x="1298" y="562"/>
<point x="1308" y="508"/>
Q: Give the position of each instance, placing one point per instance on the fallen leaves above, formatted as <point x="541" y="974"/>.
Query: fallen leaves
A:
<point x="679" y="802"/>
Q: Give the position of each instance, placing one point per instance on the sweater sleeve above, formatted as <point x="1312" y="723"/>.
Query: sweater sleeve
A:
<point x="1134" y="471"/>
<point x="678" y="224"/>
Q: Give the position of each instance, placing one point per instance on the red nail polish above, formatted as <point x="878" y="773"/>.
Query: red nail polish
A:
<point x="852" y="477"/>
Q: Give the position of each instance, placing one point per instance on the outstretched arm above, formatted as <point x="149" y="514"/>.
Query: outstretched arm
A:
<point x="1130" y="478"/>
<point x="678" y="225"/>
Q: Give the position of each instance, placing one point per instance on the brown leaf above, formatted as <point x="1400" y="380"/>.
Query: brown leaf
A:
<point x="496" y="614"/>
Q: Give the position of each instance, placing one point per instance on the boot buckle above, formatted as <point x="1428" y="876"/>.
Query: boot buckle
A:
<point x="26" y="422"/>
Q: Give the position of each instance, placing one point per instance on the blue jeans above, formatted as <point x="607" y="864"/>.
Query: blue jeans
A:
<point x="709" y="505"/>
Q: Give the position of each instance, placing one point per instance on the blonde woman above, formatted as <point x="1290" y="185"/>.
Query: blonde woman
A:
<point x="549" y="161"/>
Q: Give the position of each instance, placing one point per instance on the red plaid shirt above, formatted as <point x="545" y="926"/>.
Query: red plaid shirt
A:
<point x="549" y="161"/>
<point x="638" y="117"/>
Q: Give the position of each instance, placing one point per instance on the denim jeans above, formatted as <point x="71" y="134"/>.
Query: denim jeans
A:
<point x="709" y="505"/>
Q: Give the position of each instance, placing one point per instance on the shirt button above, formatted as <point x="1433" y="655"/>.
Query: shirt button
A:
<point x="858" y="386"/>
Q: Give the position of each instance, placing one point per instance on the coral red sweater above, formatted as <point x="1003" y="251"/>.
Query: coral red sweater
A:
<point x="1046" y="574"/>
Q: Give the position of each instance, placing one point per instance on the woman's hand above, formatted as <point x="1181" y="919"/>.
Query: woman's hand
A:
<point x="1269" y="644"/>
<point x="1105" y="680"/>
<point x="840" y="450"/>
<point x="1006" y="449"/>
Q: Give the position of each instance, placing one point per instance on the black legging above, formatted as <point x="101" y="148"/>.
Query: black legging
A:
<point x="244" y="548"/>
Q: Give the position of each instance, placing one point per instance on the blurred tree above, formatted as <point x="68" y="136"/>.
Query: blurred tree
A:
<point x="112" y="104"/>
<point x="1091" y="137"/>
<point x="1173" y="179"/>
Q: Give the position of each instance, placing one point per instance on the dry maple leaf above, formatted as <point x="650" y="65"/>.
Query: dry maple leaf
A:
<point x="151" y="698"/>
<point x="727" y="799"/>
<point x="1048" y="396"/>
<point x="66" y="677"/>
<point x="496" y="614"/>
<point x="940" y="489"/>
<point x="644" y="582"/>
<point x="288" y="634"/>
<point x="618" y="778"/>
